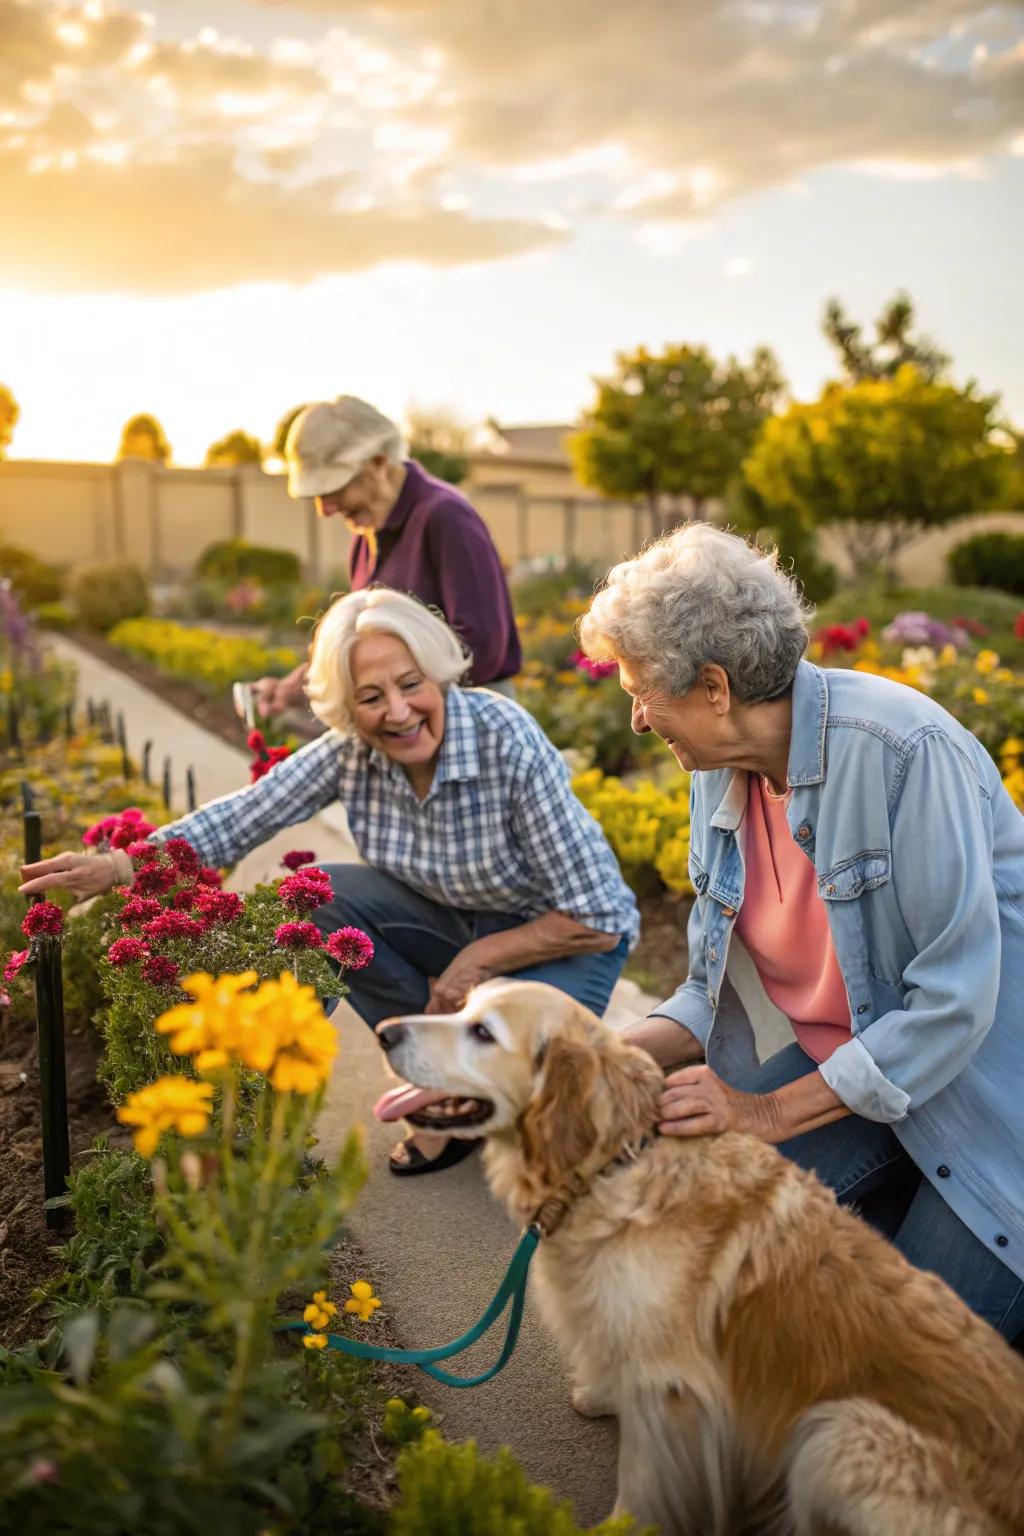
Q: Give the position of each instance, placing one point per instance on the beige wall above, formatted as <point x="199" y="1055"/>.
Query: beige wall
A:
<point x="923" y="563"/>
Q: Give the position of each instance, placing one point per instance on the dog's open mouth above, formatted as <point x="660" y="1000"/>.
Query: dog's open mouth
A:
<point x="432" y="1109"/>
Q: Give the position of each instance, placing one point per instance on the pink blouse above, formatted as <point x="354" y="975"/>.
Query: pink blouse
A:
<point x="784" y="926"/>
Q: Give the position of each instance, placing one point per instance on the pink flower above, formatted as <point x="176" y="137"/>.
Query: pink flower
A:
<point x="351" y="947"/>
<point x="139" y="909"/>
<point x="124" y="951"/>
<point x="297" y="857"/>
<point x="44" y="917"/>
<point x="172" y="925"/>
<point x="298" y="936"/>
<point x="1018" y="626"/>
<point x="143" y="852"/>
<point x="219" y="906"/>
<point x="18" y="959"/>
<point x="594" y="669"/>
<point x="159" y="970"/>
<point x="182" y="855"/>
<point x="118" y="831"/>
<point x="306" y="890"/>
<point x="154" y="879"/>
<point x="131" y="832"/>
<point x="182" y="900"/>
<point x="208" y="876"/>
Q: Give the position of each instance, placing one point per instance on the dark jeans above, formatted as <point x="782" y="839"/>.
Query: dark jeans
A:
<point x="415" y="938"/>
<point x="867" y="1167"/>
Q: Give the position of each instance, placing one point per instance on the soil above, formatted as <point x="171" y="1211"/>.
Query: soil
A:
<point x="659" y="962"/>
<point x="27" y="1245"/>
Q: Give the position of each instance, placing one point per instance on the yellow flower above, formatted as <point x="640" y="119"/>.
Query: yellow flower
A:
<point x="986" y="662"/>
<point x="979" y="695"/>
<point x="6" y="681"/>
<point x="363" y="1303"/>
<point x="948" y="655"/>
<point x="1002" y="675"/>
<point x="315" y="1340"/>
<point x="319" y="1311"/>
<point x="198" y="1027"/>
<point x="171" y="1103"/>
<point x="815" y="650"/>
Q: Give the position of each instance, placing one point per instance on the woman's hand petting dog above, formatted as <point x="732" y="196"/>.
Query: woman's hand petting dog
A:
<point x="696" y="1102"/>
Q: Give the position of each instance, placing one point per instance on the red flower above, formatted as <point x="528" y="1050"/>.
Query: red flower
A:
<point x="297" y="857"/>
<point x="124" y="951"/>
<point x="182" y="855"/>
<point x="139" y="909"/>
<point x="862" y="627"/>
<point x="154" y="879"/>
<point x="298" y="936"/>
<point x="159" y="970"/>
<point x="172" y="925"/>
<point x="118" y="831"/>
<point x="261" y="765"/>
<point x="143" y="853"/>
<point x="219" y="906"/>
<point x="44" y="917"/>
<point x="182" y="900"/>
<point x="1018" y="625"/>
<point x="594" y="669"/>
<point x="256" y="741"/>
<point x="208" y="876"/>
<point x="306" y="890"/>
<point x="351" y="947"/>
<point x="19" y="958"/>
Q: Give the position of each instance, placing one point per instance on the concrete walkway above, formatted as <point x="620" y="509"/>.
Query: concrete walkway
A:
<point x="436" y="1247"/>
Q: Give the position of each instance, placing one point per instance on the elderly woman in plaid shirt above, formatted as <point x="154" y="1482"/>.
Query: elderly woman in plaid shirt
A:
<point x="481" y="860"/>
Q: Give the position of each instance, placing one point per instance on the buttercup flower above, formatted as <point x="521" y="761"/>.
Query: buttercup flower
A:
<point x="124" y="951"/>
<point x="979" y="695"/>
<point x="320" y="1311"/>
<point x="986" y="662"/>
<point x="44" y="917"/>
<point x="297" y="857"/>
<point x="18" y="960"/>
<point x="362" y="1303"/>
<point x="350" y="947"/>
<point x="315" y="1340"/>
<point x="298" y="936"/>
<point x="171" y="1103"/>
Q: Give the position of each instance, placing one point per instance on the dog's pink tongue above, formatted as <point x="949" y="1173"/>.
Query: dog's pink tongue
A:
<point x="399" y="1102"/>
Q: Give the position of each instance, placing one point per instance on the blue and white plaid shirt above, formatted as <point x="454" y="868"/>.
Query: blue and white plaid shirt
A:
<point x="500" y="830"/>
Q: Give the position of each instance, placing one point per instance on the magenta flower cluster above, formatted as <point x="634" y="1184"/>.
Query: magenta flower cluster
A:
<point x="119" y="831"/>
<point x="305" y="891"/>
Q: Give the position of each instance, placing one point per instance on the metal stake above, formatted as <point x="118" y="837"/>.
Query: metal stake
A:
<point x="53" y="1088"/>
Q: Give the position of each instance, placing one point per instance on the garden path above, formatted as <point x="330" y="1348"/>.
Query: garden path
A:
<point x="435" y="1247"/>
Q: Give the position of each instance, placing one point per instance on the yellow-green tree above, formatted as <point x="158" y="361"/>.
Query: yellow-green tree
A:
<point x="142" y="437"/>
<point x="671" y="424"/>
<point x="282" y="429"/>
<point x="440" y="441"/>
<point x="883" y="460"/>
<point x="234" y="448"/>
<point x="9" y="413"/>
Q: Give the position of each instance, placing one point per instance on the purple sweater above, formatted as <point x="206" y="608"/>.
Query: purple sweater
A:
<point x="437" y="547"/>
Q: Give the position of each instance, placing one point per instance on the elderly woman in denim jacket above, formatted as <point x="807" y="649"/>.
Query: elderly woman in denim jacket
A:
<point x="861" y="843"/>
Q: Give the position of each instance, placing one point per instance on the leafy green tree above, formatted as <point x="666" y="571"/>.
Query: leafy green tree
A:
<point x="142" y="437"/>
<point x="281" y="431"/>
<point x="440" y="442"/>
<point x="892" y="347"/>
<point x="234" y="448"/>
<point x="883" y="460"/>
<point x="676" y="423"/>
<point x="9" y="413"/>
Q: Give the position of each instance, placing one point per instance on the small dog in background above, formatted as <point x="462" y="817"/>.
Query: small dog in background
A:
<point x="776" y="1366"/>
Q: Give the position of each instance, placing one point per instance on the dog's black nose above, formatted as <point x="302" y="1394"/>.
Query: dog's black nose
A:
<point x="389" y="1035"/>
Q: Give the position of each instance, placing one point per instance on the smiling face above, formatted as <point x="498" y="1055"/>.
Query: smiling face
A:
<point x="695" y="726"/>
<point x="395" y="708"/>
<point x="366" y="502"/>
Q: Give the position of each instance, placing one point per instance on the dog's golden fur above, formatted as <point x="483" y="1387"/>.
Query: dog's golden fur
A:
<point x="775" y="1365"/>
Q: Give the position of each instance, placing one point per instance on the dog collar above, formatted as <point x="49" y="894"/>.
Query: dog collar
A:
<point x="551" y="1212"/>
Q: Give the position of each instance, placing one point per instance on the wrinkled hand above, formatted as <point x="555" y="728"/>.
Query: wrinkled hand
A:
<point x="449" y="991"/>
<point x="84" y="874"/>
<point x="275" y="694"/>
<point x="696" y="1102"/>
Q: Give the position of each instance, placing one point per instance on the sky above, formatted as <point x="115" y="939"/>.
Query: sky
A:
<point x="215" y="210"/>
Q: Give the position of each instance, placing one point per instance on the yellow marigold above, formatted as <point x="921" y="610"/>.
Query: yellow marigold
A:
<point x="1015" y="786"/>
<point x="320" y="1311"/>
<point x="315" y="1340"/>
<point x="363" y="1303"/>
<point x="198" y="1028"/>
<point x="986" y="662"/>
<point x="1002" y="675"/>
<point x="171" y="1103"/>
<point x="948" y="655"/>
<point x="288" y="1036"/>
<point x="979" y="695"/>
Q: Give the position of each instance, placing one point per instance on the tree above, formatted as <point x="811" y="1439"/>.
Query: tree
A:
<point x="142" y="437"/>
<point x="883" y="460"/>
<point x="9" y="413"/>
<point x="440" y="442"/>
<point x="673" y="424"/>
<point x="892" y="347"/>
<point x="281" y="431"/>
<point x="234" y="448"/>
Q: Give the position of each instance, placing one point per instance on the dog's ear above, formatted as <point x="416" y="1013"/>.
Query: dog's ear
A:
<point x="557" y="1128"/>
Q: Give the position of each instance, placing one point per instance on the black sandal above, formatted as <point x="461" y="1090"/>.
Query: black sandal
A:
<point x="456" y="1151"/>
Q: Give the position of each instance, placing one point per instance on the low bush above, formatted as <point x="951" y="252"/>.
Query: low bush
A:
<point x="234" y="559"/>
<point x="989" y="560"/>
<point x="54" y="616"/>
<point x="202" y="656"/>
<point x="648" y="828"/>
<point x="102" y="595"/>
<point x="34" y="580"/>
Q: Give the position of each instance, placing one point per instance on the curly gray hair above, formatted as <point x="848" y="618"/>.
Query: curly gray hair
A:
<point x="699" y="595"/>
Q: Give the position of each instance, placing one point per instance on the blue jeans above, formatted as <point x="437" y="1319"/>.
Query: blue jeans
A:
<point x="415" y="938"/>
<point x="864" y="1163"/>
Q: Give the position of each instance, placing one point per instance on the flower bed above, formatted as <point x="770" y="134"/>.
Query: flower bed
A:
<point x="205" y="657"/>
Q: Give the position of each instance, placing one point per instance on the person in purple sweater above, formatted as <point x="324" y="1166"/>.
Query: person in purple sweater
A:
<point x="412" y="533"/>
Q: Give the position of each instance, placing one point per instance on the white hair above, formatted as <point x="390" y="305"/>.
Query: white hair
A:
<point x="701" y="595"/>
<point x="435" y="648"/>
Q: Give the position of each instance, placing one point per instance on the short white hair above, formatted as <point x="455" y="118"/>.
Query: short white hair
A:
<point x="435" y="648"/>
<point x="701" y="595"/>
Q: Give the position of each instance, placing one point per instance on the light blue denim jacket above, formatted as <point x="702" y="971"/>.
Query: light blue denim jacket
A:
<point x="919" y="854"/>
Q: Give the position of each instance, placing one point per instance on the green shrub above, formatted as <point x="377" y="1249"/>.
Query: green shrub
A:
<point x="54" y="616"/>
<point x="210" y="660"/>
<point x="541" y="592"/>
<point x="115" y="1232"/>
<point x="452" y="1488"/>
<point x="234" y="558"/>
<point x="105" y="594"/>
<point x="989" y="560"/>
<point x="34" y="580"/>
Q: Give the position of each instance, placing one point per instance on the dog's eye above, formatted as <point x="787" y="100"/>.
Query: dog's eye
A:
<point x="482" y="1033"/>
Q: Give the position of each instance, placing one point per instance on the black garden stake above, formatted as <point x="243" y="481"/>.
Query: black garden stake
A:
<point x="53" y="1088"/>
<point x="166" y="791"/>
<point x="147" y="752"/>
<point x="190" y="788"/>
<point x="122" y="741"/>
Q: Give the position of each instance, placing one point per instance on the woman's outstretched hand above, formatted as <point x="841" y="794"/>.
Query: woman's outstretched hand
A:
<point x="84" y="874"/>
<point x="696" y="1102"/>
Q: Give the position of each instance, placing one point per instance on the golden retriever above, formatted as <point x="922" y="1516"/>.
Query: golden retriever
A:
<point x="776" y="1366"/>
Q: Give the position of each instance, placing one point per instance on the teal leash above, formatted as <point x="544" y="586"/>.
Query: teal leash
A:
<point x="512" y="1288"/>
